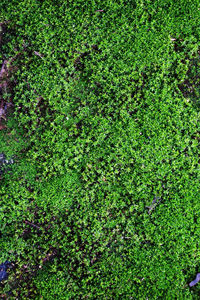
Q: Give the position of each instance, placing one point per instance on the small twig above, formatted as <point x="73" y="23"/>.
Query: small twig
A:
<point x="195" y="281"/>
<point x="154" y="204"/>
<point x="4" y="23"/>
<point x="3" y="68"/>
<point x="101" y="10"/>
<point x="6" y="65"/>
<point x="2" y="111"/>
<point x="27" y="222"/>
<point x="38" y="54"/>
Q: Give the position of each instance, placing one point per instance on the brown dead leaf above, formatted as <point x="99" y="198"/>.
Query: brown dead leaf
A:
<point x="2" y="127"/>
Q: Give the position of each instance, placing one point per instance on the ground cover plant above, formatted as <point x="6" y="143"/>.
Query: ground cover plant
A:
<point x="102" y="200"/>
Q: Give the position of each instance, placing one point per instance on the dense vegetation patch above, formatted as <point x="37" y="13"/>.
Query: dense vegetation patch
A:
<point x="102" y="200"/>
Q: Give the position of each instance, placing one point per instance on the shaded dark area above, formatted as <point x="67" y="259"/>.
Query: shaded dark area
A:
<point x="3" y="270"/>
<point x="190" y="87"/>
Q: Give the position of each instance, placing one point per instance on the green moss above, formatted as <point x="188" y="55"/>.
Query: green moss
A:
<point x="105" y="119"/>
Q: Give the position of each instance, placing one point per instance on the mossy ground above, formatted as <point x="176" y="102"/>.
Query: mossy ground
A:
<point x="105" y="119"/>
